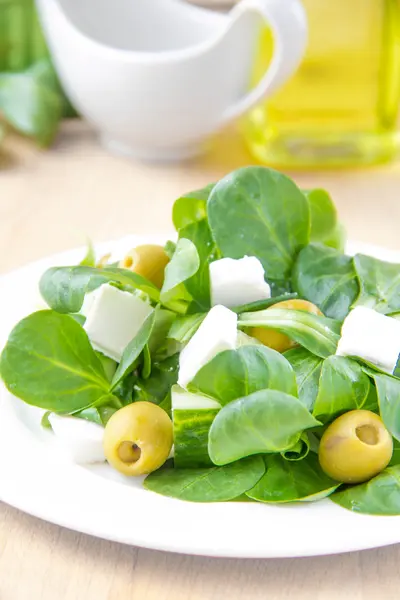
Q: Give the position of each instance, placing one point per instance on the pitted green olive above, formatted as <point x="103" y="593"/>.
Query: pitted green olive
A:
<point x="138" y="438"/>
<point x="355" y="447"/>
<point x="149" y="261"/>
<point x="279" y="341"/>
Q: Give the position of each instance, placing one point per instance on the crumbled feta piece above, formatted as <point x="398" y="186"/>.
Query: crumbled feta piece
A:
<point x="372" y="337"/>
<point x="80" y="439"/>
<point x="217" y="332"/>
<point x="113" y="319"/>
<point x="237" y="281"/>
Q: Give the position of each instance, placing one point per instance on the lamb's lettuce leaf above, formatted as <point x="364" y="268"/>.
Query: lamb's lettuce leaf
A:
<point x="237" y="373"/>
<point x="213" y="484"/>
<point x="267" y="421"/>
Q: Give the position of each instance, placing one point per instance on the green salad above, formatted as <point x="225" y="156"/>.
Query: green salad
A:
<point x="250" y="359"/>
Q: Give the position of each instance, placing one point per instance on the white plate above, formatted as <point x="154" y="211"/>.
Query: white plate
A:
<point x="35" y="478"/>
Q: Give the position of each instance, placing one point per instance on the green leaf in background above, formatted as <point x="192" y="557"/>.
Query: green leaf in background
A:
<point x="307" y="369"/>
<point x="388" y="391"/>
<point x="134" y="349"/>
<point x="237" y="373"/>
<point x="64" y="288"/>
<point x="266" y="421"/>
<point x="191" y="207"/>
<point x="343" y="386"/>
<point x="214" y="484"/>
<point x="286" y="481"/>
<point x="317" y="334"/>
<point x="299" y="451"/>
<point x="184" y="328"/>
<point x="89" y="260"/>
<point x="184" y="264"/>
<point x="379" y="284"/>
<point x="256" y="211"/>
<point x="323" y="214"/>
<point x="379" y="496"/>
<point x="48" y="362"/>
<point x="326" y="278"/>
<point x="30" y="106"/>
<point x="199" y="284"/>
<point x="43" y="71"/>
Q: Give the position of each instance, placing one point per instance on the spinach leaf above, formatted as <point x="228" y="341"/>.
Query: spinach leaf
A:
<point x="48" y="362"/>
<point x="388" y="391"/>
<point x="183" y="265"/>
<point x="146" y="368"/>
<point x="326" y="278"/>
<point x="133" y="350"/>
<point x="125" y="391"/>
<point x="64" y="288"/>
<point x="184" y="328"/>
<point x="199" y="284"/>
<point x="237" y="373"/>
<point x="89" y="260"/>
<point x="299" y="451"/>
<point x="307" y="369"/>
<point x="109" y="365"/>
<point x="169" y="248"/>
<point x="395" y="460"/>
<point x="191" y="428"/>
<point x="317" y="334"/>
<point x="157" y="388"/>
<point x="379" y="496"/>
<point x="215" y="484"/>
<point x="266" y="421"/>
<point x="337" y="239"/>
<point x="343" y="386"/>
<point x="323" y="214"/>
<point x="262" y="304"/>
<point x="379" y="284"/>
<point x="191" y="207"/>
<point x="100" y="415"/>
<point x="257" y="211"/>
<point x="286" y="481"/>
<point x="158" y="341"/>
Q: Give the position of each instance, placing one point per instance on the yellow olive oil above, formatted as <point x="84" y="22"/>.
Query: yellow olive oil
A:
<point x="341" y="106"/>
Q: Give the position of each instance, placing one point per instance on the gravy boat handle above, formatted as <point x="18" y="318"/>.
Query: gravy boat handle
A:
<point x="288" y="22"/>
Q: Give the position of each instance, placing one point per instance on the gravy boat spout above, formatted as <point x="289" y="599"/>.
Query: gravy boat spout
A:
<point x="157" y="77"/>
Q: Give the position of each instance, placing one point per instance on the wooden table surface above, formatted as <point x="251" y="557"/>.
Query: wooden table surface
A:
<point x="50" y="201"/>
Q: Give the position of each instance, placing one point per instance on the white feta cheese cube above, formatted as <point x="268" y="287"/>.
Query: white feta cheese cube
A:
<point x="183" y="400"/>
<point x="113" y="320"/>
<point x="372" y="337"/>
<point x="237" y="281"/>
<point x="80" y="439"/>
<point x="217" y="332"/>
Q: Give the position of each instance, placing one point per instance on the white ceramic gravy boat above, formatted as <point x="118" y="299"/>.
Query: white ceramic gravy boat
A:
<point x="157" y="77"/>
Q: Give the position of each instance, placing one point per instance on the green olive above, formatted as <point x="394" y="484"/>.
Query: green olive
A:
<point x="149" y="261"/>
<point x="276" y="340"/>
<point x="355" y="447"/>
<point x="138" y="438"/>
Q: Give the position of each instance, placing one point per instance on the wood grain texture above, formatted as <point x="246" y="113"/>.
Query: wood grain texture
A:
<point x="50" y="202"/>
